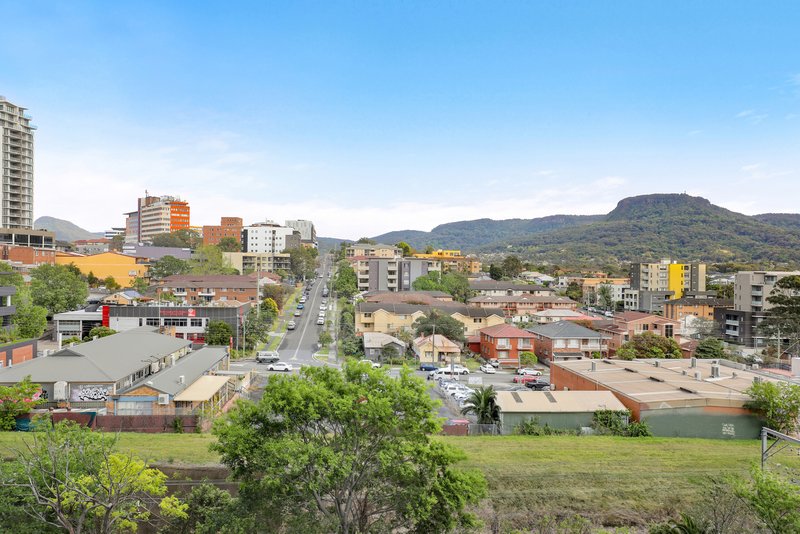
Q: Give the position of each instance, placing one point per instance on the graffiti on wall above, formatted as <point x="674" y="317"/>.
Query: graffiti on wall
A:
<point x="89" y="392"/>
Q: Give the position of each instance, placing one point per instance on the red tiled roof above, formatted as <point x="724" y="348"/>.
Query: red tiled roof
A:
<point x="505" y="330"/>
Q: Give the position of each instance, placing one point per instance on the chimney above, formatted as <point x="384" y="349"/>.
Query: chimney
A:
<point x="715" y="371"/>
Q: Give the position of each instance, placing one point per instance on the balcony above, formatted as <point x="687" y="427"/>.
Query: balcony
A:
<point x="730" y="332"/>
<point x="732" y="322"/>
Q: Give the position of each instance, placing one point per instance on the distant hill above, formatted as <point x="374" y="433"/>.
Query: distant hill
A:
<point x="327" y="243"/>
<point x="64" y="230"/>
<point x="651" y="227"/>
<point x="783" y="220"/>
<point x="471" y="235"/>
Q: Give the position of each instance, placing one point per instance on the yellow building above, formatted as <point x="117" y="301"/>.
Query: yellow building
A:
<point x="122" y="267"/>
<point x="452" y="260"/>
<point x="391" y="318"/>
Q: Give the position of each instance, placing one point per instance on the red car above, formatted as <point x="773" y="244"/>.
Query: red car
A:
<point x="524" y="379"/>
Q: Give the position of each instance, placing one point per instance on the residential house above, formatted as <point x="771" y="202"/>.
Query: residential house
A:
<point x="391" y="318"/>
<point x="122" y="268"/>
<point x="453" y="261"/>
<point x="436" y="349"/>
<point x="127" y="297"/>
<point x="29" y="257"/>
<point x="92" y="246"/>
<point x="558" y="314"/>
<point x="504" y="343"/>
<point x="409" y="297"/>
<point x="537" y="278"/>
<point x="630" y="323"/>
<point x="566" y="340"/>
<point x="522" y="307"/>
<point x="202" y="289"/>
<point x="372" y="251"/>
<point x="498" y="288"/>
<point x="376" y="343"/>
<point x="686" y="310"/>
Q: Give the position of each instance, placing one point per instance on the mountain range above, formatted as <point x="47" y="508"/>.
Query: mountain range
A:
<point x="640" y="228"/>
<point x="64" y="230"/>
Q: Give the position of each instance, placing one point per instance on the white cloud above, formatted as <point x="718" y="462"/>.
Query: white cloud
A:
<point x="752" y="116"/>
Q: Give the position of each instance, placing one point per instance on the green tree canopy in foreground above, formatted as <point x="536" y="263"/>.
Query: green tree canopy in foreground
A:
<point x="778" y="403"/>
<point x="218" y="333"/>
<point x="456" y="284"/>
<point x="168" y="266"/>
<point x="350" y="449"/>
<point x="57" y="288"/>
<point x="649" y="345"/>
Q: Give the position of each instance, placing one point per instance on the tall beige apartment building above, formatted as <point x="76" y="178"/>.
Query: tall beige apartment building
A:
<point x="16" y="166"/>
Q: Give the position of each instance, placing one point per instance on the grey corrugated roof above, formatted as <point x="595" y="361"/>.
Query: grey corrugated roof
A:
<point x="107" y="359"/>
<point x="377" y="340"/>
<point x="191" y="367"/>
<point x="446" y="307"/>
<point x="564" y="329"/>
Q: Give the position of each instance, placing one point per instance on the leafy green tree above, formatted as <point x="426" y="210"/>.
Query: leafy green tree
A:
<point x="256" y="328"/>
<point x="117" y="242"/>
<point x="17" y="400"/>
<point x="605" y="296"/>
<point x="389" y="353"/>
<point x="303" y="261"/>
<point x="483" y="403"/>
<point x="528" y="359"/>
<point x="229" y="244"/>
<point x="178" y="239"/>
<point x="778" y="403"/>
<point x="168" y="266"/>
<point x="774" y="499"/>
<point x="325" y="338"/>
<point x="140" y="285"/>
<point x="443" y="325"/>
<point x="405" y="247"/>
<point x="101" y="331"/>
<point x="366" y="241"/>
<point x="270" y="307"/>
<point x="345" y="283"/>
<point x="218" y="333"/>
<point x="92" y="280"/>
<point x="10" y="277"/>
<point x="111" y="284"/>
<point x="57" y="288"/>
<point x="211" y="510"/>
<point x="574" y="291"/>
<point x="495" y="272"/>
<point x="275" y="292"/>
<point x="208" y="259"/>
<point x="367" y="437"/>
<point x="30" y="321"/>
<point x="710" y="348"/>
<point x="352" y="345"/>
<point x="512" y="266"/>
<point x="456" y="284"/>
<point x="81" y="483"/>
<point x="783" y="320"/>
<point x="649" y="345"/>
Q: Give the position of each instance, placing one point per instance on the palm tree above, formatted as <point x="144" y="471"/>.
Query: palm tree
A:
<point x="482" y="404"/>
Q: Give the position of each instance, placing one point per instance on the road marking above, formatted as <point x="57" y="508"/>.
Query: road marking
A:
<point x="308" y="320"/>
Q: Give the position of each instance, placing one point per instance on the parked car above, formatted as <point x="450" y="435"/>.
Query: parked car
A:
<point x="528" y="371"/>
<point x="280" y="366"/>
<point x="375" y="365"/>
<point x="542" y="385"/>
<point x="267" y="356"/>
<point x="524" y="379"/>
<point x="291" y="325"/>
<point x="298" y="313"/>
<point x="428" y="367"/>
<point x="321" y="320"/>
<point x="494" y="363"/>
<point x="488" y="369"/>
<point x="301" y="306"/>
<point x="302" y="299"/>
<point x="322" y="307"/>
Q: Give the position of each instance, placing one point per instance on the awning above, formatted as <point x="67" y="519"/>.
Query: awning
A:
<point x="202" y="389"/>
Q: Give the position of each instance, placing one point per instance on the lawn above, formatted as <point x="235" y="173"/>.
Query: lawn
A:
<point x="614" y="481"/>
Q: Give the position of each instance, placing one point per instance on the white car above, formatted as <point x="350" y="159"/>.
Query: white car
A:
<point x="488" y="369"/>
<point x="291" y="325"/>
<point x="321" y="320"/>
<point x="375" y="365"/>
<point x="322" y="307"/>
<point x="528" y="371"/>
<point x="279" y="366"/>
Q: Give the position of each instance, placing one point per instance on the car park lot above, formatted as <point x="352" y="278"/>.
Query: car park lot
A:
<point x="502" y="379"/>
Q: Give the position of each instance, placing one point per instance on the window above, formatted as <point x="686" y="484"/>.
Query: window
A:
<point x="502" y="354"/>
<point x="477" y="320"/>
<point x="645" y="327"/>
<point x="197" y="322"/>
<point x="152" y="321"/>
<point x="172" y="321"/>
<point x="668" y="330"/>
<point x="503" y="343"/>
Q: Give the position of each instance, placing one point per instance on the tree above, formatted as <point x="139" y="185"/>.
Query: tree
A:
<point x="710" y="348"/>
<point x="443" y="325"/>
<point x="218" y="333"/>
<point x="303" y="261"/>
<point x="605" y="296"/>
<point x="255" y="328"/>
<point x="80" y="483"/>
<point x="483" y="403"/>
<point x="512" y="266"/>
<point x="178" y="239"/>
<point x="168" y="266"/>
<point x="405" y="247"/>
<point x="495" y="272"/>
<point x="117" y="243"/>
<point x="774" y="499"/>
<point x="389" y="353"/>
<point x="783" y="320"/>
<point x="30" y="321"/>
<point x="18" y="400"/>
<point x="10" y="277"/>
<point x="574" y="291"/>
<point x="140" y="285"/>
<point x="325" y="338"/>
<point x="456" y="284"/>
<point x="270" y="307"/>
<point x="345" y="283"/>
<point x="229" y="244"/>
<point x="57" y="289"/>
<point x="350" y="450"/>
<point x="649" y="345"/>
<point x="703" y="327"/>
<point x="101" y="331"/>
<point x="778" y="403"/>
<point x="276" y="293"/>
<point x="528" y="359"/>
<point x="111" y="284"/>
<point x="208" y="259"/>
<point x="92" y="280"/>
<point x="366" y="241"/>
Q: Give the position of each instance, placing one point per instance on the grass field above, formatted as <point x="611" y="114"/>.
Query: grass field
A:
<point x="613" y="481"/>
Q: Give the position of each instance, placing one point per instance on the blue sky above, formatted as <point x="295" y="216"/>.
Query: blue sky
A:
<point x="374" y="116"/>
